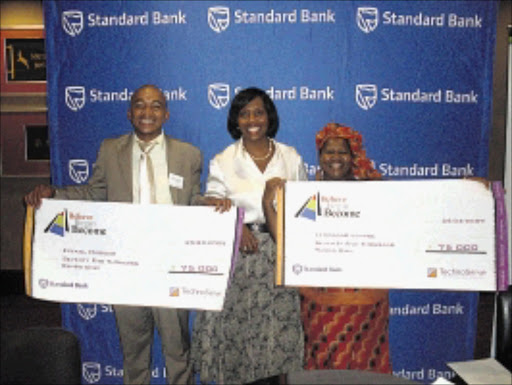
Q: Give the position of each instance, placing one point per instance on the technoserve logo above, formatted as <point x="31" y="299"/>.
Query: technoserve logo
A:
<point x="174" y="291"/>
<point x="218" y="18"/>
<point x="218" y="95"/>
<point x="72" y="22"/>
<point x="78" y="170"/>
<point x="75" y="97"/>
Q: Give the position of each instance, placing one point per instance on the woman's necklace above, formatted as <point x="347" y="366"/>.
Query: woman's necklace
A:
<point x="269" y="152"/>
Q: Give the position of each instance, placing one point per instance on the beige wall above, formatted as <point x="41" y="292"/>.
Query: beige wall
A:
<point x="20" y="14"/>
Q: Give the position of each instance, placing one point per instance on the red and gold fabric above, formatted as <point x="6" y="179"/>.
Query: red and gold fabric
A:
<point x="346" y="329"/>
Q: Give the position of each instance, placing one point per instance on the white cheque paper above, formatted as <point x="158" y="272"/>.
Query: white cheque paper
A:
<point x="429" y="234"/>
<point x="121" y="253"/>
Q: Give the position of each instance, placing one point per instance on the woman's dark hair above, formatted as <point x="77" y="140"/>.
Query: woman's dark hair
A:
<point x="242" y="99"/>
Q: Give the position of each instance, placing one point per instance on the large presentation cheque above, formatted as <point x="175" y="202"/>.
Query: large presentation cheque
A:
<point x="430" y="234"/>
<point x="122" y="253"/>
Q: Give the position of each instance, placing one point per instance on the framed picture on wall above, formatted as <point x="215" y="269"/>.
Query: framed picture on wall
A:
<point x="25" y="60"/>
<point x="37" y="144"/>
<point x="25" y="145"/>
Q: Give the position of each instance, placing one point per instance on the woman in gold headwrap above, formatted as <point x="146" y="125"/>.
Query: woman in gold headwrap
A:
<point x="344" y="328"/>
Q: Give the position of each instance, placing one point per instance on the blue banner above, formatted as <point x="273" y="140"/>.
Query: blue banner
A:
<point x="415" y="78"/>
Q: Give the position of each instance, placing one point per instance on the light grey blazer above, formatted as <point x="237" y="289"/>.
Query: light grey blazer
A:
<point x="111" y="179"/>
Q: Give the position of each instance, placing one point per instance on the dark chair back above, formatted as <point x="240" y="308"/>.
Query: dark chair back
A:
<point x="504" y="328"/>
<point x="40" y="356"/>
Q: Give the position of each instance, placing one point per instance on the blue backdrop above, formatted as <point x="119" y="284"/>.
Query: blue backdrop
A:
<point x="413" y="77"/>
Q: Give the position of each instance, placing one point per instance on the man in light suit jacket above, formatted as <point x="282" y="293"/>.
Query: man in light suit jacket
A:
<point x="176" y="169"/>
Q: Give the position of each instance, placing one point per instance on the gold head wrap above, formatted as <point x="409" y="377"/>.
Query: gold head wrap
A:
<point x="362" y="167"/>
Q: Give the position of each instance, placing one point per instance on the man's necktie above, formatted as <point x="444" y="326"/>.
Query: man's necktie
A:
<point x="146" y="174"/>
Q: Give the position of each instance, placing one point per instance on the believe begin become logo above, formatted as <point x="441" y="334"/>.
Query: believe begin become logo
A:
<point x="310" y="209"/>
<point x="59" y="224"/>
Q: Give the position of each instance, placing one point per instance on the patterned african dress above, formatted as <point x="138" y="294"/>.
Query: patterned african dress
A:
<point x="346" y="329"/>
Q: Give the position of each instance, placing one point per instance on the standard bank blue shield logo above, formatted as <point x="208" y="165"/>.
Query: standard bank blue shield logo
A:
<point x="366" y="95"/>
<point x="86" y="311"/>
<point x="218" y="18"/>
<point x="218" y="95"/>
<point x="75" y="97"/>
<point x="367" y="19"/>
<point x="78" y="170"/>
<point x="91" y="372"/>
<point x="72" y="22"/>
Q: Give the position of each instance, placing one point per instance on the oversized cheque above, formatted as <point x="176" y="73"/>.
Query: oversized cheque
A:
<point x="121" y="253"/>
<point x="429" y="234"/>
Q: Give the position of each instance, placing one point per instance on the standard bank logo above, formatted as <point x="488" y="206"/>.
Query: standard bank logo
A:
<point x="218" y="95"/>
<point x="91" y="372"/>
<point x="75" y="97"/>
<point x="78" y="170"/>
<point x="218" y="18"/>
<point x="366" y="95"/>
<point x="72" y="22"/>
<point x="367" y="19"/>
<point x="87" y="311"/>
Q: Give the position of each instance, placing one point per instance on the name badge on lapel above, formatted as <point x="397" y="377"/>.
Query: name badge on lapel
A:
<point x="175" y="181"/>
